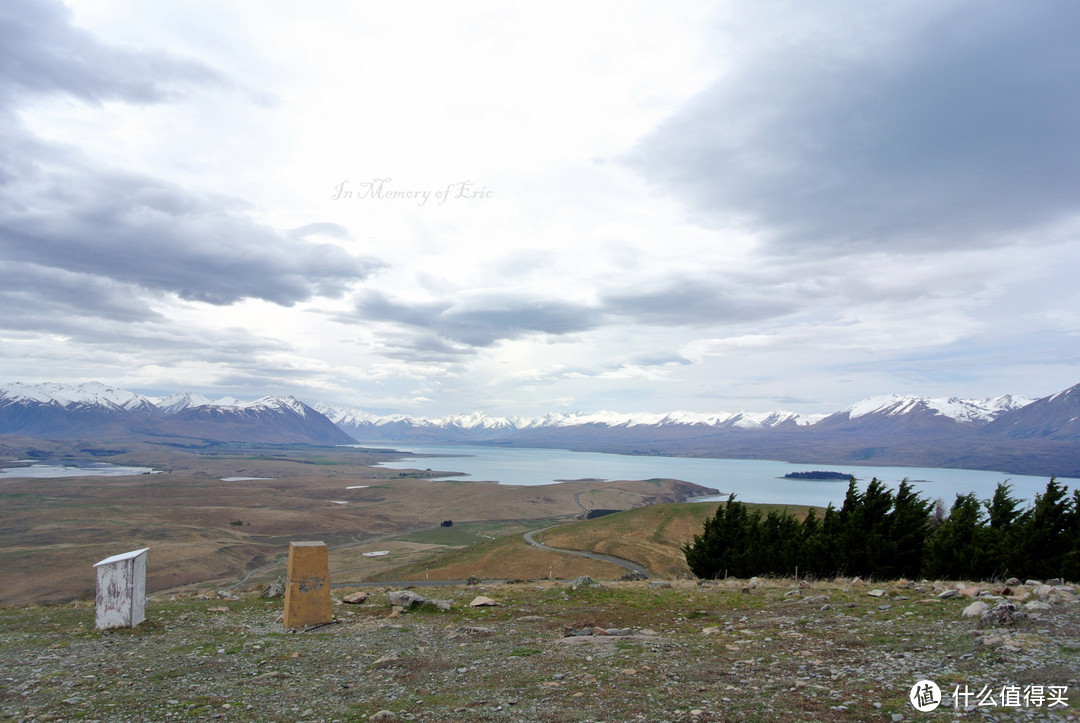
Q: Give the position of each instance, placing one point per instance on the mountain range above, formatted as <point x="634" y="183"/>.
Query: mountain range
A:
<point x="1006" y="433"/>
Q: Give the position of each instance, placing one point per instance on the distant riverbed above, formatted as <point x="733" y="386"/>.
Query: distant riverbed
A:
<point x="72" y="469"/>
<point x="750" y="480"/>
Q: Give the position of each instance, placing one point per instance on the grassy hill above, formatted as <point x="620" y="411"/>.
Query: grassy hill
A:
<point x="651" y="536"/>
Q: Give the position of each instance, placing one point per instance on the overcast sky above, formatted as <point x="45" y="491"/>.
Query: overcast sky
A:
<point x="431" y="208"/>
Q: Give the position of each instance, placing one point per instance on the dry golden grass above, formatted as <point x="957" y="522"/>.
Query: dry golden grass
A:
<point x="507" y="558"/>
<point x="203" y="530"/>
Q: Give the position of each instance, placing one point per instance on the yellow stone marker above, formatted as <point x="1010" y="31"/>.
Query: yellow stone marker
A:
<point x="307" y="592"/>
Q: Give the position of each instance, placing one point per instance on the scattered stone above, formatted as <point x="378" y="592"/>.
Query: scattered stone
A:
<point x="481" y="601"/>
<point x="1033" y="583"/>
<point x="1012" y="581"/>
<point x="226" y="595"/>
<point x="875" y="593"/>
<point x="1055" y="581"/>
<point x="710" y="630"/>
<point x="217" y="609"/>
<point x="383" y="715"/>
<point x="659" y="584"/>
<point x="1037" y="606"/>
<point x="754" y="582"/>
<point x="635" y="576"/>
<point x="356" y="598"/>
<point x="975" y="609"/>
<point x="944" y="595"/>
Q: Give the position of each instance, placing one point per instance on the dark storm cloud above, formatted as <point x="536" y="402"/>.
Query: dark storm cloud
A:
<point x="61" y="210"/>
<point x="963" y="130"/>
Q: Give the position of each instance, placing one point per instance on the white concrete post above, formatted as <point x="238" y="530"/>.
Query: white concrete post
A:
<point x="121" y="590"/>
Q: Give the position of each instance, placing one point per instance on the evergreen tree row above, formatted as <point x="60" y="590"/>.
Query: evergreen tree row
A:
<point x="877" y="533"/>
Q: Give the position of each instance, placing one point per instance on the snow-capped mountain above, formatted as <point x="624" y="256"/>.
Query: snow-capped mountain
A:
<point x="481" y="425"/>
<point x="906" y="413"/>
<point x="63" y="410"/>
<point x="1053" y="417"/>
<point x="1003" y="433"/>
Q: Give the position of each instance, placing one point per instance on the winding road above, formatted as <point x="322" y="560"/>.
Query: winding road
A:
<point x="632" y="566"/>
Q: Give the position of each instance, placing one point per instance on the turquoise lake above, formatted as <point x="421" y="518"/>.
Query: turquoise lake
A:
<point x="749" y="480"/>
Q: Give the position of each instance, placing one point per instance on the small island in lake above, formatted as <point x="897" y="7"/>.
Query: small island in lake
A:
<point x="817" y="474"/>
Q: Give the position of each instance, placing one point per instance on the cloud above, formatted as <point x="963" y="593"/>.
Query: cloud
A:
<point x="699" y="302"/>
<point x="62" y="210"/>
<point x="480" y="321"/>
<point x="42" y="52"/>
<point x="958" y="126"/>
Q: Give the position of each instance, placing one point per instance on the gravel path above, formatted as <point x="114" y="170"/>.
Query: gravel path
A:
<point x="629" y="565"/>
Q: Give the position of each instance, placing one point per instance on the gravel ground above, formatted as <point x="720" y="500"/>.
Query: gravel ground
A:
<point x="770" y="651"/>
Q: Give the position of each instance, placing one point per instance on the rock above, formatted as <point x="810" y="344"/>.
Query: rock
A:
<point x="975" y="609"/>
<point x="970" y="591"/>
<point x="226" y="595"/>
<point x="473" y="581"/>
<point x="1043" y="591"/>
<point x="274" y="590"/>
<point x="635" y="576"/>
<point x="1054" y="582"/>
<point x="383" y="715"/>
<point x="471" y="632"/>
<point x="1012" y="581"/>
<point x="388" y="659"/>
<point x="1004" y="613"/>
<point x="659" y="585"/>
<point x="814" y="600"/>
<point x="583" y="581"/>
<point x="875" y="593"/>
<point x="481" y="601"/>
<point x="1037" y="606"/>
<point x="1033" y="583"/>
<point x="355" y="598"/>
<point x="710" y="630"/>
<point x="217" y="609"/>
<point x="405" y="599"/>
<point x="948" y="594"/>
<point x="754" y="582"/>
